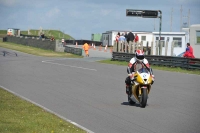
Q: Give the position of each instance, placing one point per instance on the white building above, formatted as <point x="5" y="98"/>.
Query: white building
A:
<point x="194" y="38"/>
<point x="148" y="37"/>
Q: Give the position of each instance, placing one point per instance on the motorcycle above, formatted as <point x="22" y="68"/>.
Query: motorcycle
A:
<point x="141" y="86"/>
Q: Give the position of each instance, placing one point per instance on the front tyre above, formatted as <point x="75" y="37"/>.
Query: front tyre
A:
<point x="143" y="98"/>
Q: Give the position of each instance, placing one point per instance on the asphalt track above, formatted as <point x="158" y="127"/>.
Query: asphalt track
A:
<point x="92" y="95"/>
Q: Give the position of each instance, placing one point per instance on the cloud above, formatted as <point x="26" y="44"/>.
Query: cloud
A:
<point x="53" y="12"/>
<point x="105" y="12"/>
<point x="8" y="2"/>
<point x="187" y="1"/>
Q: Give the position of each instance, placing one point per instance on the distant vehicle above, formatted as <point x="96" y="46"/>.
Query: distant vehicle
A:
<point x="181" y="54"/>
<point x="13" y="32"/>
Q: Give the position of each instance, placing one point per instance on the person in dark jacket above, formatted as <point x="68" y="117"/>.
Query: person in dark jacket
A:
<point x="126" y="36"/>
<point x="130" y="38"/>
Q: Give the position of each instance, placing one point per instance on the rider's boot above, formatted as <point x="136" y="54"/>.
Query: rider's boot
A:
<point x="128" y="89"/>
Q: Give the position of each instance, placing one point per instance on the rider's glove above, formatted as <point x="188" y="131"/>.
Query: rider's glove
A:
<point x="131" y="76"/>
<point x="153" y="78"/>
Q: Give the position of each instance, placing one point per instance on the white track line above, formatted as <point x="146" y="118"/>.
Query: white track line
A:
<point x="87" y="130"/>
<point x="69" y="65"/>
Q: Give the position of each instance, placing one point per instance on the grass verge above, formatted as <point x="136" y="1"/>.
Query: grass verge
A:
<point x="164" y="68"/>
<point x="20" y="116"/>
<point x="36" y="51"/>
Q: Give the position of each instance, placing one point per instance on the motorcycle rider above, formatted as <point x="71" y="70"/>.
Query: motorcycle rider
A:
<point x="135" y="64"/>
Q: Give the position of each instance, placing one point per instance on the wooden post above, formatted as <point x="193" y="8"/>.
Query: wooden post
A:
<point x="120" y="46"/>
<point x="125" y="43"/>
<point x="141" y="45"/>
<point x="161" y="46"/>
<point x="129" y="47"/>
<point x="166" y="48"/>
<point x="137" y="45"/>
<point x="152" y="48"/>
<point x="172" y="48"/>
<point x="133" y="47"/>
<point x="157" y="47"/>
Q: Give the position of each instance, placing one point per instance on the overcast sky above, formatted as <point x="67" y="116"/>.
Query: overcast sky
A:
<point x="81" y="18"/>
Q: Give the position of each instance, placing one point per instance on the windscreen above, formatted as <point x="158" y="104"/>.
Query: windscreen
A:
<point x="143" y="70"/>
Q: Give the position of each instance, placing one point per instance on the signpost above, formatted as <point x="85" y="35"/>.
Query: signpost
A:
<point x="147" y="14"/>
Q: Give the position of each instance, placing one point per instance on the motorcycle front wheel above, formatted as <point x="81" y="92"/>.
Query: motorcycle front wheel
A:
<point x="143" y="98"/>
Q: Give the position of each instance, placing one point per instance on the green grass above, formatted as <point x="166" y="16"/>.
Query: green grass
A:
<point x="48" y="33"/>
<point x="164" y="68"/>
<point x="37" y="51"/>
<point x="3" y="32"/>
<point x="20" y="116"/>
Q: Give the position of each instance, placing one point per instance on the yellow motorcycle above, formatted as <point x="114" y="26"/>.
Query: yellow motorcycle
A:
<point x="141" y="86"/>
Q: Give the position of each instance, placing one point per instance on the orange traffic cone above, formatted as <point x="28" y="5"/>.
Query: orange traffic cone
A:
<point x="105" y="50"/>
<point x="111" y="49"/>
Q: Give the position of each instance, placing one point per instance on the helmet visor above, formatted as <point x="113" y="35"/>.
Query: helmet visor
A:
<point x="140" y="57"/>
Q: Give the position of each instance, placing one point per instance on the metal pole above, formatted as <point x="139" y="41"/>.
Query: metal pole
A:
<point x="171" y="20"/>
<point x="160" y="31"/>
<point x="181" y="18"/>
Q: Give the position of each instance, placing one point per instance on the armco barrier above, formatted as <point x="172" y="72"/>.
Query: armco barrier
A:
<point x="171" y="61"/>
<point x="77" y="51"/>
<point x="34" y="42"/>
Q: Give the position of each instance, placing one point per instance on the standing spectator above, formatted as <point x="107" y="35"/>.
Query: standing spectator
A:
<point x="126" y="42"/>
<point x="136" y="38"/>
<point x="126" y="36"/>
<point x="130" y="39"/>
<point x="189" y="52"/>
<point x="122" y="40"/>
<point x="86" y="49"/>
<point x="117" y="39"/>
